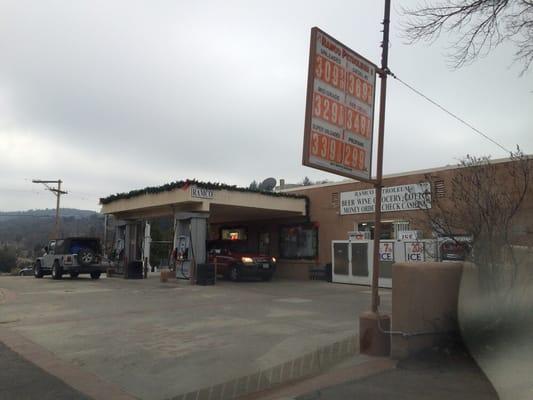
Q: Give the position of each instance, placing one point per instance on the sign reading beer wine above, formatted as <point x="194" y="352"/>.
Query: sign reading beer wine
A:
<point x="416" y="196"/>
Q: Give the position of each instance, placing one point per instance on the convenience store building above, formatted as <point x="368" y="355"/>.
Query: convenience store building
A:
<point x="295" y="225"/>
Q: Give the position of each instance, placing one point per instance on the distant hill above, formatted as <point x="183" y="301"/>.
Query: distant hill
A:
<point x="30" y="230"/>
<point x="47" y="212"/>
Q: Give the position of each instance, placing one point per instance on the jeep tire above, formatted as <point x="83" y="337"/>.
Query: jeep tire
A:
<point x="37" y="270"/>
<point x="57" y="272"/>
<point x="95" y="275"/>
<point x="74" y="275"/>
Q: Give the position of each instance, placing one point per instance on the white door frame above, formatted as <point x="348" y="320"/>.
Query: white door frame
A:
<point x="430" y="253"/>
<point x="350" y="278"/>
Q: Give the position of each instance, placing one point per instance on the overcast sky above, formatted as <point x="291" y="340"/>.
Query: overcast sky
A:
<point x="111" y="96"/>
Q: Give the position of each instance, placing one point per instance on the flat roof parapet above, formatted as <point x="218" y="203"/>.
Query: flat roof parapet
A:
<point x="184" y="184"/>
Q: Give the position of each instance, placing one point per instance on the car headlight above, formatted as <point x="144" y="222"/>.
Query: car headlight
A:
<point x="247" y="260"/>
<point x="273" y="259"/>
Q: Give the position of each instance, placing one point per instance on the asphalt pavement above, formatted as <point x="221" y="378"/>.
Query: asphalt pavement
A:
<point x="435" y="374"/>
<point x="135" y="337"/>
<point x="21" y="380"/>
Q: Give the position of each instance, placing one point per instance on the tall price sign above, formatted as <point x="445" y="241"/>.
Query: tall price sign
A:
<point x="339" y="115"/>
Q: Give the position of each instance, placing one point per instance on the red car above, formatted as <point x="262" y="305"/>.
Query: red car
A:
<point x="451" y="250"/>
<point x="235" y="262"/>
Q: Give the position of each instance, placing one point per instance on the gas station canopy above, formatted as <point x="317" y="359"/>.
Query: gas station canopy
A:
<point x="223" y="203"/>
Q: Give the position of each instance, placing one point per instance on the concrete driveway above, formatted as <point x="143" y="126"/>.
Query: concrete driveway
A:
<point x="157" y="340"/>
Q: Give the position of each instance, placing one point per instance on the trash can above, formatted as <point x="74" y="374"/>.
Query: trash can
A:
<point x="134" y="270"/>
<point x="205" y="274"/>
<point x="329" y="273"/>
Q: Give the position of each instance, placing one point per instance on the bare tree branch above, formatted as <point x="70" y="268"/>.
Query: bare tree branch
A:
<point x="483" y="201"/>
<point x="480" y="26"/>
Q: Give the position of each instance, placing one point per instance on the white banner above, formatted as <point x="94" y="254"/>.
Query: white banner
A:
<point x="358" y="235"/>
<point x="414" y="251"/>
<point x="394" y="198"/>
<point x="408" y="235"/>
<point x="386" y="251"/>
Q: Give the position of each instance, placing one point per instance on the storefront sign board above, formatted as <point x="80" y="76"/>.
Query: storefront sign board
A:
<point x="394" y="198"/>
<point x="339" y="116"/>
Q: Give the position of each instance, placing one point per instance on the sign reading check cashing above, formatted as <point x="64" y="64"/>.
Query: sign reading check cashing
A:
<point x="393" y="198"/>
<point x="339" y="116"/>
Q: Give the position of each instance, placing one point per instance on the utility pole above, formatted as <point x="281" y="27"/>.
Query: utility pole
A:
<point x="374" y="338"/>
<point x="57" y="192"/>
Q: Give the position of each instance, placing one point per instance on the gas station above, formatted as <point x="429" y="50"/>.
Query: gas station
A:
<point x="198" y="210"/>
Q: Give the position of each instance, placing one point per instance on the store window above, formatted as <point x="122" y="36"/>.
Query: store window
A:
<point x="400" y="226"/>
<point x="233" y="234"/>
<point x="387" y="230"/>
<point x="299" y="241"/>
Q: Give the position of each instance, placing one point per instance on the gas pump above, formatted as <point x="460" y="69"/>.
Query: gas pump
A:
<point x="181" y="257"/>
<point x="190" y="232"/>
<point x="145" y="249"/>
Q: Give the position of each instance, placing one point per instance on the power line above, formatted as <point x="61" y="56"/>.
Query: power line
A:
<point x="25" y="215"/>
<point x="10" y="190"/>
<point x="88" y="196"/>
<point x="449" y="112"/>
<point x="57" y="192"/>
<point x="76" y="195"/>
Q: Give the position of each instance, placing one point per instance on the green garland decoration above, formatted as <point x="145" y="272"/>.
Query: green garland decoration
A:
<point x="186" y="183"/>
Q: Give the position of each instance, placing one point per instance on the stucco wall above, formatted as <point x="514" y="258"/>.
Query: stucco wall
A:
<point x="424" y="305"/>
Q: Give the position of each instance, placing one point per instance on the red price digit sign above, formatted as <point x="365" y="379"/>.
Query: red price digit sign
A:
<point x="329" y="72"/>
<point x="340" y="109"/>
<point x="328" y="109"/>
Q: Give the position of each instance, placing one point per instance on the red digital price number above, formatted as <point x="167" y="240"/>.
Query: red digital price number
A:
<point x="326" y="147"/>
<point x="416" y="247"/>
<point x="330" y="72"/>
<point x="329" y="110"/>
<point x="359" y="88"/>
<point x="331" y="149"/>
<point x="354" y="157"/>
<point x="358" y="123"/>
<point x="334" y="112"/>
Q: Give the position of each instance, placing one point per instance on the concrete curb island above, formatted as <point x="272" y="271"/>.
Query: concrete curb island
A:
<point x="307" y="365"/>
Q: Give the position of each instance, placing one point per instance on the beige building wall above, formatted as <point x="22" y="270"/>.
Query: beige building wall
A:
<point x="324" y="212"/>
<point x="325" y="209"/>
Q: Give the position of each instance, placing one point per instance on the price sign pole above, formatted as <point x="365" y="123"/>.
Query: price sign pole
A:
<point x="373" y="327"/>
<point x="381" y="135"/>
<point x="338" y="138"/>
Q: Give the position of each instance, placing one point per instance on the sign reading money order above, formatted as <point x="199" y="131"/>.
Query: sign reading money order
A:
<point x="339" y="116"/>
<point x="415" y="196"/>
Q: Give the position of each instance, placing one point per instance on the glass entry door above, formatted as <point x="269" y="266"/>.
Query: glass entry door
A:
<point x="350" y="261"/>
<point x="340" y="262"/>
